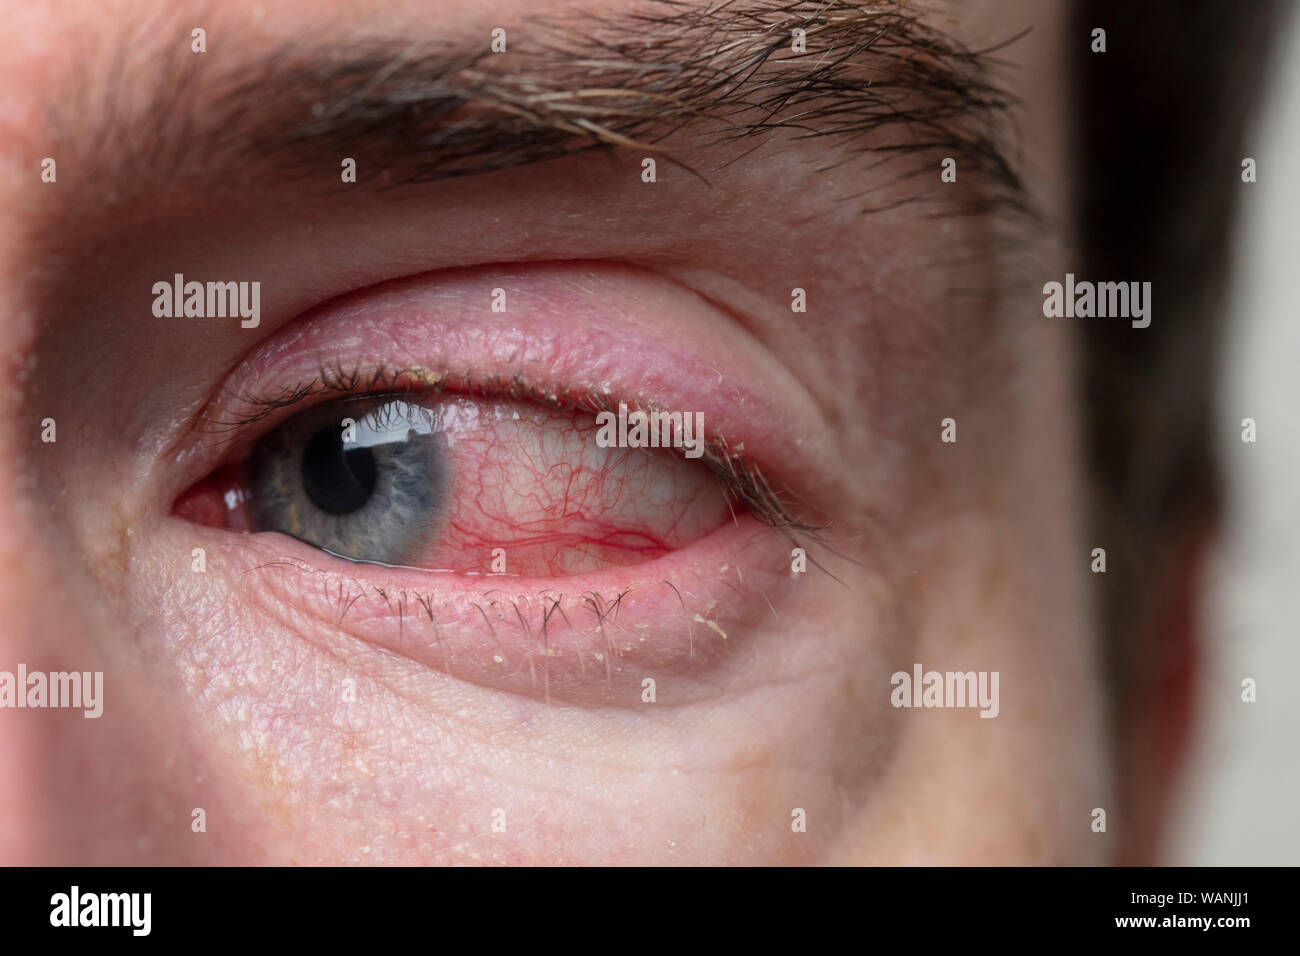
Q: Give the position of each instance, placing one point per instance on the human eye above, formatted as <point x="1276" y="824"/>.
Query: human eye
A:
<point x="471" y="506"/>
<point x="449" y="484"/>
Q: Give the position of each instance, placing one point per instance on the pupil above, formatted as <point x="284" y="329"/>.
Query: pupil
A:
<point x="338" y="478"/>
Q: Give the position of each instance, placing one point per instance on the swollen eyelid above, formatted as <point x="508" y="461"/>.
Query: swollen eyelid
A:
<point x="468" y="485"/>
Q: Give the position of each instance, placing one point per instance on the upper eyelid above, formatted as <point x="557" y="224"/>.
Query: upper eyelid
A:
<point x="579" y="334"/>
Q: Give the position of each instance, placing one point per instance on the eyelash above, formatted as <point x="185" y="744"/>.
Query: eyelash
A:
<point x="741" y="481"/>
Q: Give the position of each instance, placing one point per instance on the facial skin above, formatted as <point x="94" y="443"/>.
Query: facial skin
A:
<point x="312" y="730"/>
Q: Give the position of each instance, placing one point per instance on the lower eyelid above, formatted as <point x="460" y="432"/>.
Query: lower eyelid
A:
<point x="683" y="615"/>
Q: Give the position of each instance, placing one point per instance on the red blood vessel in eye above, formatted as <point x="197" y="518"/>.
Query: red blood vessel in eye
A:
<point x="532" y="485"/>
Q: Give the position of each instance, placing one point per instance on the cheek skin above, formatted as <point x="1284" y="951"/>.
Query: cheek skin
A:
<point x="411" y="764"/>
<point x="999" y="584"/>
<point x="121" y="788"/>
<point x="1011" y="790"/>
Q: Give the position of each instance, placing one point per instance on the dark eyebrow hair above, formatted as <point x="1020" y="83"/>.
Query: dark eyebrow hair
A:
<point x="875" y="80"/>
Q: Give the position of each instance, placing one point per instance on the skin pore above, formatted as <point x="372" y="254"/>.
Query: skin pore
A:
<point x="324" y="711"/>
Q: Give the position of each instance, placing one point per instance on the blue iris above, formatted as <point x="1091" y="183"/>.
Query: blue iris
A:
<point x="361" y="478"/>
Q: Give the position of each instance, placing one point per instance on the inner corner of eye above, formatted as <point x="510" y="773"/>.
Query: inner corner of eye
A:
<point x="450" y="483"/>
<point x="216" y="500"/>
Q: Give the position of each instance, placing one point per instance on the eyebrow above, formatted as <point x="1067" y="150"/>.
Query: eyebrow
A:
<point x="875" y="80"/>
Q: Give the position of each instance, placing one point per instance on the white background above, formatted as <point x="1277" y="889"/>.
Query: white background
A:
<point x="1242" y="800"/>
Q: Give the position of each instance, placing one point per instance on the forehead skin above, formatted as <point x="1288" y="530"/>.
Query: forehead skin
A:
<point x="887" y="352"/>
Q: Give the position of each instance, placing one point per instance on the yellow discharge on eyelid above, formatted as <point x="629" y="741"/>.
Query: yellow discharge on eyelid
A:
<point x="712" y="624"/>
<point x="424" y="376"/>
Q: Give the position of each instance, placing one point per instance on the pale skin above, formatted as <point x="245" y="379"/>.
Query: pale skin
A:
<point x="310" y="740"/>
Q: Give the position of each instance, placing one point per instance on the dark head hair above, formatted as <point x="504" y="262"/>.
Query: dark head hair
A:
<point x="1162" y="124"/>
